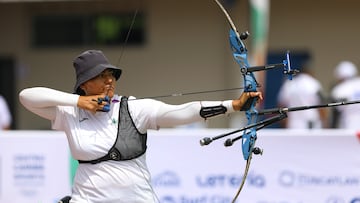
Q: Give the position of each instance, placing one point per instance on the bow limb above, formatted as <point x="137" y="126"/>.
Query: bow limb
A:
<point x="250" y="85"/>
<point x="249" y="135"/>
<point x="231" y="22"/>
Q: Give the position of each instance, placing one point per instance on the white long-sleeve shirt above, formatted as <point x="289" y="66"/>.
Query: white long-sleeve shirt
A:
<point x="90" y="136"/>
<point x="303" y="90"/>
<point x="348" y="90"/>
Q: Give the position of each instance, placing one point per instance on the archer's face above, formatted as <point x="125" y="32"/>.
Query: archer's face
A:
<point x="104" y="83"/>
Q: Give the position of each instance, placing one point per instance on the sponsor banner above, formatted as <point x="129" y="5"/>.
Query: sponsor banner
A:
<point x="312" y="166"/>
<point x="296" y="167"/>
<point x="34" y="167"/>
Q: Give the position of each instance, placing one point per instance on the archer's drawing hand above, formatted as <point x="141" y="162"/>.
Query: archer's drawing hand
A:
<point x="93" y="103"/>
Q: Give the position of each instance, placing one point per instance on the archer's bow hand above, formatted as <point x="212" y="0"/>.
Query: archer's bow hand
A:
<point x="239" y="103"/>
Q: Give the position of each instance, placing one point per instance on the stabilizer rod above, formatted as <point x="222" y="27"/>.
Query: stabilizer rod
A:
<point x="300" y="108"/>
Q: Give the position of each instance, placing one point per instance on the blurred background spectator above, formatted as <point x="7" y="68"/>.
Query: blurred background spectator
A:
<point x="303" y="90"/>
<point x="346" y="88"/>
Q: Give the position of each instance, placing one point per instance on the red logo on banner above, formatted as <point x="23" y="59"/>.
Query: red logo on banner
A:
<point x="358" y="135"/>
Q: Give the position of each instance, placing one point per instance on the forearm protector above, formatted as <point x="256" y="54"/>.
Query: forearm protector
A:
<point x="211" y="111"/>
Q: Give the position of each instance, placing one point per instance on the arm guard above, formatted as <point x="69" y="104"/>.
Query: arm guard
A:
<point x="212" y="111"/>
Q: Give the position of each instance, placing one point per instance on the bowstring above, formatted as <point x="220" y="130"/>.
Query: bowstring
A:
<point x="127" y="36"/>
<point x="173" y="94"/>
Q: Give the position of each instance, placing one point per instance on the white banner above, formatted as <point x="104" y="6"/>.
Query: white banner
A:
<point x="34" y="166"/>
<point x="296" y="167"/>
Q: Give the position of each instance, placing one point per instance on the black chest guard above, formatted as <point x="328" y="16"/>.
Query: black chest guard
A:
<point x="129" y="144"/>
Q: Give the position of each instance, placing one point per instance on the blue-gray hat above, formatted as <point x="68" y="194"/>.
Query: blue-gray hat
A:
<point x="88" y="65"/>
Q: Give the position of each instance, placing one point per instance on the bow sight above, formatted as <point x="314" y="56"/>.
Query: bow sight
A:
<point x="285" y="65"/>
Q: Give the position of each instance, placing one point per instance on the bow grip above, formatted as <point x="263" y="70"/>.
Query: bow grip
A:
<point x="248" y="103"/>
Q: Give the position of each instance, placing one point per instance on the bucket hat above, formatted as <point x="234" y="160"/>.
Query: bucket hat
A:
<point x="88" y="65"/>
